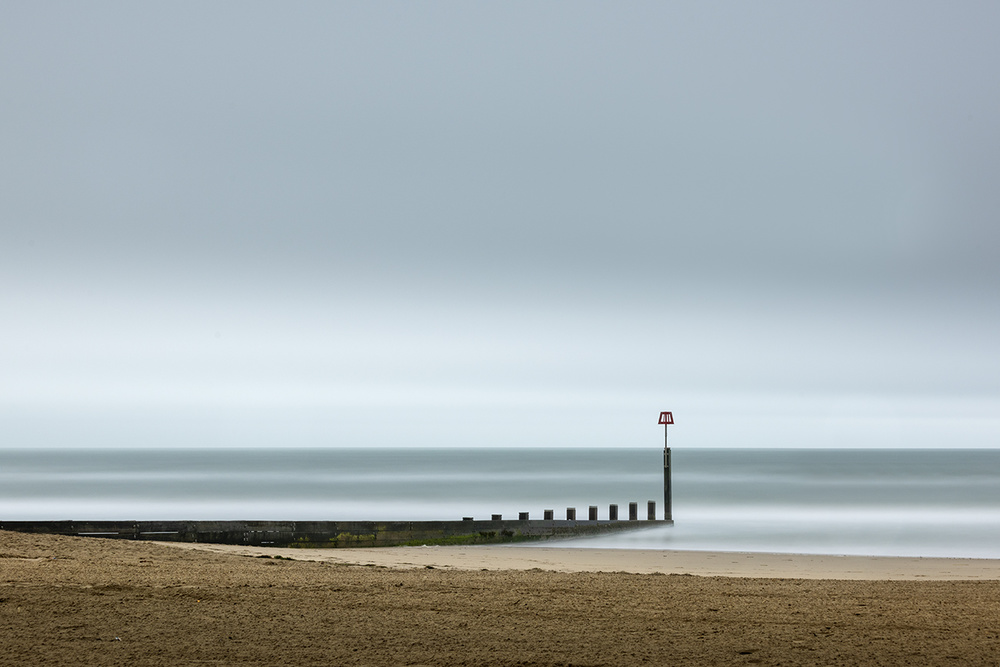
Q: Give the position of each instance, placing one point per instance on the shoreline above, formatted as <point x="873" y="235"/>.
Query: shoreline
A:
<point x="636" y="561"/>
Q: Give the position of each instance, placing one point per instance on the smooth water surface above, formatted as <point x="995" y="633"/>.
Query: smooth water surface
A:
<point x="890" y="502"/>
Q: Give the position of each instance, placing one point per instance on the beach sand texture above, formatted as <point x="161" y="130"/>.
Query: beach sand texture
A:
<point x="66" y="600"/>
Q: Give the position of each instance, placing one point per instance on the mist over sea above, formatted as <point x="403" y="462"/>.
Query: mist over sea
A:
<point x="872" y="502"/>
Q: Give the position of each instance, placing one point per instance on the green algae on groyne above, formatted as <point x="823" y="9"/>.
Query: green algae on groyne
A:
<point x="334" y="534"/>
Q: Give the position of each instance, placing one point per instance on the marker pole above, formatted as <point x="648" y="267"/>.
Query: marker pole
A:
<point x="667" y="512"/>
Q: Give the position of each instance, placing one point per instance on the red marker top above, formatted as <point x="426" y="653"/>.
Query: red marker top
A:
<point x="666" y="418"/>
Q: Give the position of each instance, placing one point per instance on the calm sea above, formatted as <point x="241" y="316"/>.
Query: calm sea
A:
<point x="877" y="502"/>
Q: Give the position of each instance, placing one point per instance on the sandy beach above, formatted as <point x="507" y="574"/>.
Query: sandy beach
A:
<point x="67" y="600"/>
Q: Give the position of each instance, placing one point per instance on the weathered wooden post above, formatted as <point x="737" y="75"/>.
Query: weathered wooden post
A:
<point x="651" y="510"/>
<point x="496" y="517"/>
<point x="571" y="514"/>
<point x="522" y="516"/>
<point x="548" y="514"/>
<point x="613" y="512"/>
<point x="593" y="513"/>
<point x="633" y="511"/>
<point x="666" y="418"/>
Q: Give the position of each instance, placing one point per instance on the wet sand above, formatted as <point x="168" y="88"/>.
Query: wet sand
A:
<point x="636" y="561"/>
<point x="89" y="601"/>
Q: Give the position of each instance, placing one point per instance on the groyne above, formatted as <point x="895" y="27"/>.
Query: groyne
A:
<point x="334" y="534"/>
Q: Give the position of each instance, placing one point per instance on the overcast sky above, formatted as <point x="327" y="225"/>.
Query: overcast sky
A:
<point x="523" y="224"/>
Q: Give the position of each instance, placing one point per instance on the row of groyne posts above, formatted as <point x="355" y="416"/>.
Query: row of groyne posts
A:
<point x="666" y="419"/>
<point x="592" y="513"/>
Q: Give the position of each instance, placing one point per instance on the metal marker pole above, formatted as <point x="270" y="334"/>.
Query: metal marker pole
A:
<point x="667" y="513"/>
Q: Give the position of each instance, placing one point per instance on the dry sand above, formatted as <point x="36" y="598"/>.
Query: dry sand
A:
<point x="88" y="601"/>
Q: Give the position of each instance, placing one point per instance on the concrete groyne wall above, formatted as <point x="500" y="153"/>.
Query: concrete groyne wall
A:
<point x="333" y="534"/>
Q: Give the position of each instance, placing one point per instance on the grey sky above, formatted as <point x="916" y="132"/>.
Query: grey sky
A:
<point x="524" y="223"/>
